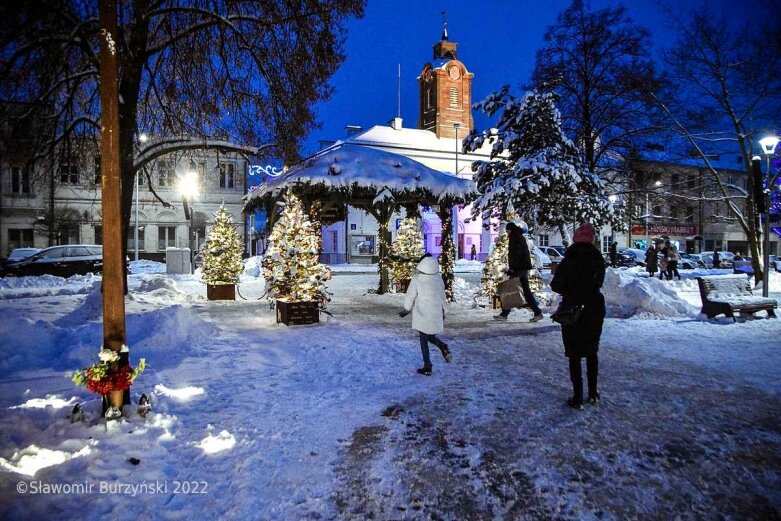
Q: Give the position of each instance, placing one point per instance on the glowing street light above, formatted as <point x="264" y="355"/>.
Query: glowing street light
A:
<point x="768" y="145"/>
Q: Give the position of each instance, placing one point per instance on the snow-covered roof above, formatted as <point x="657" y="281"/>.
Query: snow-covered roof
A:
<point x="349" y="168"/>
<point x="419" y="139"/>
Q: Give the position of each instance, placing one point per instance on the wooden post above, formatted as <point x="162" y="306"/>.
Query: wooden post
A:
<point x="113" y="261"/>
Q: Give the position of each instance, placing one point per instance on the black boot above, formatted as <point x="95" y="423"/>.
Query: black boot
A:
<point x="575" y="403"/>
<point x="446" y="354"/>
<point x="425" y="370"/>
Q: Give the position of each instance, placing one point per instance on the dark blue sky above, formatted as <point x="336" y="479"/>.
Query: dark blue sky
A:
<point x="497" y="41"/>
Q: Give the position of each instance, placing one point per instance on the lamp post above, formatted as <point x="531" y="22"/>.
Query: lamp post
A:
<point x="456" y="126"/>
<point x="188" y="189"/>
<point x="657" y="184"/>
<point x="768" y="145"/>
<point x="142" y="138"/>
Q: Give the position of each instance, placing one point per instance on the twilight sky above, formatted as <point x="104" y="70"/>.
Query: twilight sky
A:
<point x="497" y="41"/>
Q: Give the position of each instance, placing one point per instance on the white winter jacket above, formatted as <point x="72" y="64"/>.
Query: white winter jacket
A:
<point x="426" y="298"/>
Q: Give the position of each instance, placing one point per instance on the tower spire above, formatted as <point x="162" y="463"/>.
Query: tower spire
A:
<point x="444" y="25"/>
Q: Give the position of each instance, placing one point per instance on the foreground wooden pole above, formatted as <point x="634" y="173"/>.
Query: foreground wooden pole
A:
<point x="113" y="261"/>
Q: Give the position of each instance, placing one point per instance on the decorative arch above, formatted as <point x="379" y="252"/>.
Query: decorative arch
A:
<point x="167" y="216"/>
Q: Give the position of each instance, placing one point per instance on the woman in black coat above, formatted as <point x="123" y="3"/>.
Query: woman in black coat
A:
<point x="578" y="280"/>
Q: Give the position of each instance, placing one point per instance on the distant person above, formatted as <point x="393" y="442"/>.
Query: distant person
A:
<point x="613" y="254"/>
<point x="738" y="257"/>
<point x="663" y="261"/>
<point x="426" y="300"/>
<point x="672" y="260"/>
<point x="578" y="280"/>
<point x="651" y="260"/>
<point x="716" y="260"/>
<point x="474" y="252"/>
<point x="519" y="261"/>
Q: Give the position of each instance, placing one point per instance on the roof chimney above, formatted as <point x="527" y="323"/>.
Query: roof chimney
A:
<point x="395" y="123"/>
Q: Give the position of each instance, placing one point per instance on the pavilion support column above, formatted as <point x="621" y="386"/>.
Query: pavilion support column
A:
<point x="383" y="214"/>
<point x="448" y="255"/>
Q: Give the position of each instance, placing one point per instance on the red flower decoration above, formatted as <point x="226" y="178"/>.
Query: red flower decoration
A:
<point x="119" y="380"/>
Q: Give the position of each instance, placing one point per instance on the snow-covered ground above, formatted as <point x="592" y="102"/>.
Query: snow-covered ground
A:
<point x="255" y="420"/>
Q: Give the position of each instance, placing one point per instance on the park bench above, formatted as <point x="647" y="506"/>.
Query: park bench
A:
<point x="729" y="293"/>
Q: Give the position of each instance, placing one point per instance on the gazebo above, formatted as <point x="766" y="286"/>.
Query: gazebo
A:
<point x="378" y="182"/>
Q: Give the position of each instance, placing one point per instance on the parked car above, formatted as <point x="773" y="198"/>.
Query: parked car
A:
<point x="638" y="256"/>
<point x="774" y="261"/>
<point x="21" y="253"/>
<point x="541" y="256"/>
<point x="725" y="258"/>
<point x="63" y="261"/>
<point x="690" y="261"/>
<point x="554" y="254"/>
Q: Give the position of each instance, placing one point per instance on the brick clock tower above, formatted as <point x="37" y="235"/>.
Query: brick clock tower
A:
<point x="445" y="93"/>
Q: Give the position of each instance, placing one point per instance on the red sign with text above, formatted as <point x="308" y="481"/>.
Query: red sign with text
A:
<point x="682" y="230"/>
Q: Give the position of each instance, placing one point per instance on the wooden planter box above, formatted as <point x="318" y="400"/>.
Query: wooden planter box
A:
<point x="221" y="292"/>
<point x="401" y="285"/>
<point x="297" y="313"/>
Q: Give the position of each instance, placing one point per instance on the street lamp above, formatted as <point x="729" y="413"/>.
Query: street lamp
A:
<point x="187" y="187"/>
<point x="657" y="184"/>
<point x="768" y="145"/>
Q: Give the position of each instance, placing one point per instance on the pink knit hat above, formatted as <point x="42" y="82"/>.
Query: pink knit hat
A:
<point x="585" y="233"/>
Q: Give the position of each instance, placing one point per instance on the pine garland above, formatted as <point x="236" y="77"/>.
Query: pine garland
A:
<point x="291" y="265"/>
<point x="406" y="251"/>
<point x="222" y="252"/>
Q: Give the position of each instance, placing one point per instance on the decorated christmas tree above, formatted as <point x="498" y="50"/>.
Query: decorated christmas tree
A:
<point x="406" y="251"/>
<point x="495" y="267"/>
<point x="291" y="265"/>
<point x="222" y="251"/>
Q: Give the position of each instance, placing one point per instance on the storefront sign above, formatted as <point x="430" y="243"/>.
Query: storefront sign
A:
<point x="671" y="230"/>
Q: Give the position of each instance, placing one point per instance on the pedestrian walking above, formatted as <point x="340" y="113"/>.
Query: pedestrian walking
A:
<point x="519" y="263"/>
<point x="613" y="250"/>
<point x="651" y="260"/>
<point x="425" y="299"/>
<point x="716" y="260"/>
<point x="474" y="252"/>
<point x="663" y="261"/>
<point x="578" y="280"/>
<point x="673" y="257"/>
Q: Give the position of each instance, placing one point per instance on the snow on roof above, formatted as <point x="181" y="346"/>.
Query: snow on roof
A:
<point x="418" y="139"/>
<point x="347" y="166"/>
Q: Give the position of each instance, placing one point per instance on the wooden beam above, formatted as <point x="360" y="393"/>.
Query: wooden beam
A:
<point x="113" y="261"/>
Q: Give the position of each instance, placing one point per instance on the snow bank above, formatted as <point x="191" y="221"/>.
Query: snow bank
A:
<point x="627" y="295"/>
<point x="47" y="285"/>
<point x="467" y="266"/>
<point x="146" y="266"/>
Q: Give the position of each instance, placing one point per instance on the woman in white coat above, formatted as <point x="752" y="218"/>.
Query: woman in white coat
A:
<point x="426" y="301"/>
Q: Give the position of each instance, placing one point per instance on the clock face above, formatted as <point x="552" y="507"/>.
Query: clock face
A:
<point x="454" y="72"/>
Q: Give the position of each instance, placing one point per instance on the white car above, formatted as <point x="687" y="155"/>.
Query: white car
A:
<point x="540" y="258"/>
<point x="552" y="252"/>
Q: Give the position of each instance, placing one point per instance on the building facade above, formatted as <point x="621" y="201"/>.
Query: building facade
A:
<point x="44" y="206"/>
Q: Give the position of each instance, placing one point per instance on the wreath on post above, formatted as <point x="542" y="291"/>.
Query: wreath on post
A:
<point x="106" y="375"/>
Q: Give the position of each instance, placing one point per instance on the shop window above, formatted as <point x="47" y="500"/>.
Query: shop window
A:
<point x="362" y="245"/>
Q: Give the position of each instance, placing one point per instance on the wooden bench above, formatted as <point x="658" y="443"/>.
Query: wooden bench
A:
<point x="729" y="293"/>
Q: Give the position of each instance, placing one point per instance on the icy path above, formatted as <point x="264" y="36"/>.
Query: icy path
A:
<point x="331" y="421"/>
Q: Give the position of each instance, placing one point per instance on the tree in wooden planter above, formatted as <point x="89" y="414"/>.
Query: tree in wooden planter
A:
<point x="405" y="253"/>
<point x="295" y="277"/>
<point x="222" y="253"/>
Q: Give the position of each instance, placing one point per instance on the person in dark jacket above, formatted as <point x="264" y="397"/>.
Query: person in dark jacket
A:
<point x="519" y="263"/>
<point x="613" y="254"/>
<point x="578" y="280"/>
<point x="716" y="259"/>
<point x="651" y="260"/>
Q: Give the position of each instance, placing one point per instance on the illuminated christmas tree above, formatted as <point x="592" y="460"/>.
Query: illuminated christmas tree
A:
<point x="495" y="267"/>
<point x="291" y="265"/>
<point x="222" y="251"/>
<point x="406" y="251"/>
